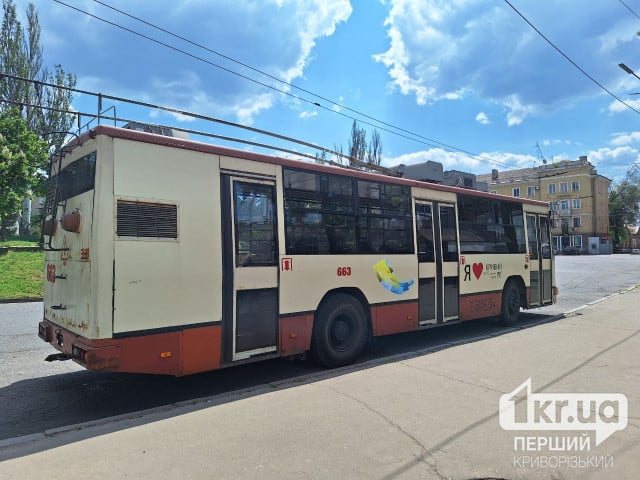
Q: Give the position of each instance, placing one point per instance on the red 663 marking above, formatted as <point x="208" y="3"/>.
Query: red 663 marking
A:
<point x="344" y="271"/>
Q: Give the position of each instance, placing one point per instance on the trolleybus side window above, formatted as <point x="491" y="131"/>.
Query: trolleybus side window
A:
<point x="329" y="214"/>
<point x="490" y="226"/>
<point x="255" y="224"/>
<point x="424" y="218"/>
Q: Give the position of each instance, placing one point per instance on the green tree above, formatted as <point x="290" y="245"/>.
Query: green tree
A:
<point x="21" y="55"/>
<point x="374" y="151"/>
<point x="357" y="145"/>
<point x="362" y="152"/>
<point x="23" y="157"/>
<point x="43" y="107"/>
<point x="624" y="205"/>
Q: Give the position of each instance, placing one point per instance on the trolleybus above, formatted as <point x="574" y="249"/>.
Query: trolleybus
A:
<point x="170" y="256"/>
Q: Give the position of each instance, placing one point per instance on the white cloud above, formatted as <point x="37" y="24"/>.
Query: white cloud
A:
<point x="337" y="108"/>
<point x="507" y="161"/>
<point x="481" y="163"/>
<point x="440" y="48"/>
<point x="482" y="118"/>
<point x="517" y="111"/>
<point x="616" y="161"/>
<point x="315" y="19"/>
<point x="618" y="107"/>
<point x="308" y="114"/>
<point x="555" y="141"/>
<point x="396" y="59"/>
<point x="449" y="160"/>
<point x="625" y="138"/>
<point x="242" y="30"/>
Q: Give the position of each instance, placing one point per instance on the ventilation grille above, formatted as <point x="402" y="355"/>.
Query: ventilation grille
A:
<point x="147" y="220"/>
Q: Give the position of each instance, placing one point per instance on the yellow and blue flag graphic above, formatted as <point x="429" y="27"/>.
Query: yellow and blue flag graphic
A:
<point x="390" y="280"/>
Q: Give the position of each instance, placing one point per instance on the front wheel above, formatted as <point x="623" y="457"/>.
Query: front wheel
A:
<point x="510" y="310"/>
<point x="339" y="331"/>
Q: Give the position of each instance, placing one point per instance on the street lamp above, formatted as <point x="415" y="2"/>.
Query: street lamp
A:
<point x="628" y="70"/>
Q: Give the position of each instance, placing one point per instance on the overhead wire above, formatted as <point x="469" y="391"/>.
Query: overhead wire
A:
<point x="407" y="134"/>
<point x="630" y="9"/>
<point x="556" y="48"/>
<point x="273" y="77"/>
<point x="183" y="113"/>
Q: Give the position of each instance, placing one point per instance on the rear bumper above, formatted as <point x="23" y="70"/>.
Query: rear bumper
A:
<point x="178" y="352"/>
<point x="103" y="356"/>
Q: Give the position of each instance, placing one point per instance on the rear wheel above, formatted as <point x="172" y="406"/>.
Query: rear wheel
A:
<point x="510" y="303"/>
<point x="339" y="331"/>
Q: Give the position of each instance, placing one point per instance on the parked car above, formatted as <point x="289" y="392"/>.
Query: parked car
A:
<point x="571" y="251"/>
<point x="635" y="251"/>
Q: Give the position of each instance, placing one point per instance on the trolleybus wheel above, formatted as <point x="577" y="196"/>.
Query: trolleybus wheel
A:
<point x="510" y="310"/>
<point x="339" y="331"/>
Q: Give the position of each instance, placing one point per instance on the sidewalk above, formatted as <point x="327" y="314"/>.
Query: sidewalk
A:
<point x="432" y="416"/>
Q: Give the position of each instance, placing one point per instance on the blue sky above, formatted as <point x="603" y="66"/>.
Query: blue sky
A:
<point x="467" y="73"/>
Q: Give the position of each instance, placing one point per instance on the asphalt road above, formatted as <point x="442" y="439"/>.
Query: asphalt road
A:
<point x="36" y="396"/>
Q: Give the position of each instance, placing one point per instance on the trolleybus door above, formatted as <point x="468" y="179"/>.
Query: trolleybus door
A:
<point x="250" y="273"/>
<point x="545" y="247"/>
<point x="437" y="262"/>
<point x="539" y="260"/>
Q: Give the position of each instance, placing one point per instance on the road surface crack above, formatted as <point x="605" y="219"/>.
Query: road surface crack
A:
<point x="425" y="456"/>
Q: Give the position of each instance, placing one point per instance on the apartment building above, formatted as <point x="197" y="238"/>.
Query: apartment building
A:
<point x="578" y="197"/>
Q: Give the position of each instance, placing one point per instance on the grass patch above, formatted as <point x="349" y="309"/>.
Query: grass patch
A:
<point x="21" y="275"/>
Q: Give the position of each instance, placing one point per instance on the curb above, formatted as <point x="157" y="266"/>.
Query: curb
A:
<point x="19" y="300"/>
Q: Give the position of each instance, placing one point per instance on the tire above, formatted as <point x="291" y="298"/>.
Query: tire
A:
<point x="340" y="331"/>
<point x="510" y="308"/>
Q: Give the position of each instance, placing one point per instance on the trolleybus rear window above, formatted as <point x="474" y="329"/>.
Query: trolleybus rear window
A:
<point x="76" y="178"/>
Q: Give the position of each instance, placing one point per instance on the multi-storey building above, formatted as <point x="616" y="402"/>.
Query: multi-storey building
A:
<point x="578" y="196"/>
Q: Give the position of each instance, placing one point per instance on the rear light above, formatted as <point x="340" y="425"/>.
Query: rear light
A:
<point x="78" y="353"/>
<point x="43" y="332"/>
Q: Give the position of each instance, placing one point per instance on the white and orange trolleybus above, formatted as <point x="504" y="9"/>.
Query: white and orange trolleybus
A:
<point x="171" y="256"/>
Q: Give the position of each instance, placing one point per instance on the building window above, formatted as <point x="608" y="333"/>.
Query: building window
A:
<point x="516" y="191"/>
<point x="564" y="187"/>
<point x="553" y="206"/>
<point x="576" y="240"/>
<point x="577" y="204"/>
<point x="577" y="222"/>
<point x="554" y="223"/>
<point x="575" y="186"/>
<point x="564" y="205"/>
<point x="552" y="188"/>
<point x="531" y="191"/>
